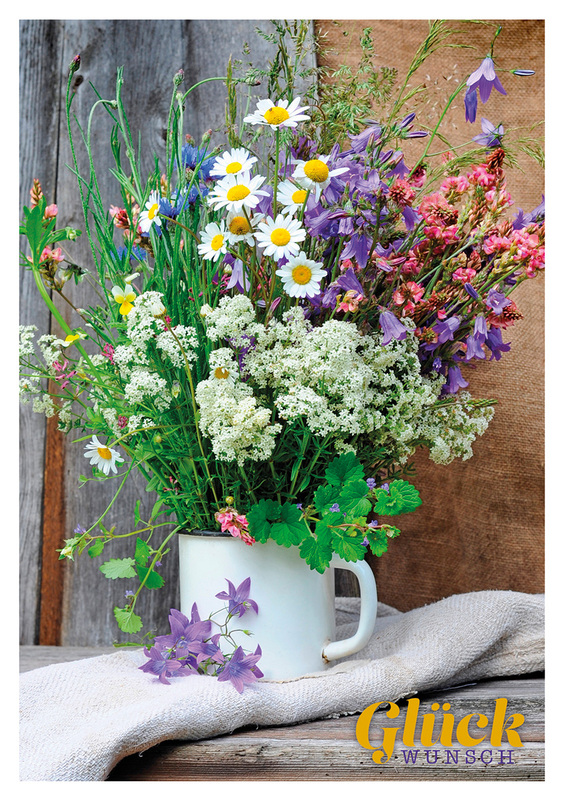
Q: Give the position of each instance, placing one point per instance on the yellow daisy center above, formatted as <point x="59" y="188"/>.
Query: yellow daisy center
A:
<point x="104" y="452"/>
<point x="301" y="274"/>
<point x="239" y="226"/>
<point x="316" y="170"/>
<point x="276" y="115"/>
<point x="280" y="237"/>
<point x="235" y="166"/>
<point x="299" y="196"/>
<point x="217" y="242"/>
<point x="153" y="211"/>
<point x="238" y="192"/>
<point x="221" y="373"/>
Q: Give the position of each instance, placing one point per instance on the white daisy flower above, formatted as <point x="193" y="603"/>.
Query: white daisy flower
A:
<point x="124" y="297"/>
<point x="280" y="237"/>
<point x="233" y="162"/>
<point x="301" y="277"/>
<point x="151" y="213"/>
<point x="214" y="241"/>
<point x="101" y="456"/>
<point x="315" y="174"/>
<point x="240" y="226"/>
<point x="291" y="197"/>
<point x="278" y="115"/>
<point x="237" y="191"/>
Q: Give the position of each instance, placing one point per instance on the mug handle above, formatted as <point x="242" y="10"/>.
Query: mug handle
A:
<point x="368" y="611"/>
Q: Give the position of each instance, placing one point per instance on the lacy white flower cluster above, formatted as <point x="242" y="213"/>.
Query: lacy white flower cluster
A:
<point x="341" y="383"/>
<point x="146" y="330"/>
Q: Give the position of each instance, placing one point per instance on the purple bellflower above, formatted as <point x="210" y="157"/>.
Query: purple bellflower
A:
<point x="238" y="598"/>
<point x="239" y="278"/>
<point x="241" y="670"/>
<point x="455" y="381"/>
<point x="497" y="301"/>
<point x="495" y="343"/>
<point x="446" y="329"/>
<point x="490" y="136"/>
<point x="392" y="327"/>
<point x="482" y="80"/>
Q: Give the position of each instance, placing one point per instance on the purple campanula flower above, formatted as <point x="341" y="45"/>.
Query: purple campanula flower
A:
<point x="238" y="598"/>
<point x="405" y="125"/>
<point x="392" y="327"/>
<point x="497" y="301"/>
<point x="239" y="278"/>
<point x="471" y="291"/>
<point x="349" y="282"/>
<point x="446" y="329"/>
<point x="495" y="343"/>
<point x="162" y="665"/>
<point x="455" y="381"/>
<point x="358" y="248"/>
<point x="536" y="215"/>
<point x="241" y="670"/>
<point x="410" y="217"/>
<point x="360" y="142"/>
<point x="490" y="136"/>
<point x="482" y="80"/>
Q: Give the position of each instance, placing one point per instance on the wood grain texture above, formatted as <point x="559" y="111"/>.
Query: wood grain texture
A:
<point x="327" y="749"/>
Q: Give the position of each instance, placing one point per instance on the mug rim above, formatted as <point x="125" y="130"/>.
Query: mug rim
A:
<point x="204" y="534"/>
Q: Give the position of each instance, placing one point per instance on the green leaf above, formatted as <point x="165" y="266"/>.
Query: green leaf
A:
<point x="353" y="500"/>
<point x="290" y="529"/>
<point x="378" y="541"/>
<point x="316" y="554"/>
<point x="142" y="552"/>
<point x="128" y="621"/>
<point x="348" y="547"/>
<point x="154" y="580"/>
<point x="96" y="549"/>
<point x="118" y="568"/>
<point x="343" y="469"/>
<point x="402" y="498"/>
<point x="325" y="497"/>
<point x="260" y="516"/>
<point x="137" y="517"/>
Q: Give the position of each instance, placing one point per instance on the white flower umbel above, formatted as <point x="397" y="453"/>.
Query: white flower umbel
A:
<point x="280" y="237"/>
<point x="279" y="114"/>
<point x="233" y="162"/>
<point x="238" y="427"/>
<point x="102" y="456"/>
<point x="315" y="174"/>
<point x="213" y="241"/>
<point x="236" y="192"/>
<point x="233" y="319"/>
<point x="291" y="197"/>
<point x="150" y="216"/>
<point x="301" y="276"/>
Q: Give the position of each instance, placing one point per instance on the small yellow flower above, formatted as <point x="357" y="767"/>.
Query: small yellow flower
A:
<point x="125" y="298"/>
<point x="72" y="338"/>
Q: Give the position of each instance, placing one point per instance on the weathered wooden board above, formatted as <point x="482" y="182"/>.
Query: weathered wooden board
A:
<point x="327" y="749"/>
<point x="72" y="603"/>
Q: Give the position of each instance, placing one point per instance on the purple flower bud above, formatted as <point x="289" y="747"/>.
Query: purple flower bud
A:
<point x="471" y="291"/>
<point x="407" y="120"/>
<point x="523" y="73"/>
<point x="74" y="66"/>
<point x="335" y="508"/>
<point x="371" y="483"/>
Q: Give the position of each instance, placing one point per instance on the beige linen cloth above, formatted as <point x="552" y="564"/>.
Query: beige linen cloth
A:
<point x="79" y="719"/>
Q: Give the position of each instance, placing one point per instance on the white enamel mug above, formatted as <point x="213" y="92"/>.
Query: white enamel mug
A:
<point x="295" y="624"/>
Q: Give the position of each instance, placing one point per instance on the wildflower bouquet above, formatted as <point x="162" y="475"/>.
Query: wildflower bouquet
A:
<point x="282" y="322"/>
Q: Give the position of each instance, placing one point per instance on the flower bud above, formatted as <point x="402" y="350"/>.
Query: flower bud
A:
<point x="179" y="77"/>
<point x="74" y="66"/>
<point x="229" y="500"/>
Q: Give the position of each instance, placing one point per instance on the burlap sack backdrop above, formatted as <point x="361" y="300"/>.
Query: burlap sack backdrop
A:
<point x="481" y="522"/>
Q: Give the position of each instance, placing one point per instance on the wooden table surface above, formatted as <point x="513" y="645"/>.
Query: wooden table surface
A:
<point x="327" y="750"/>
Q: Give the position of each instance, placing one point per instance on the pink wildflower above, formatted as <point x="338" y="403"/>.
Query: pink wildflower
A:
<point x="52" y="255"/>
<point x="463" y="274"/>
<point x="51" y="211"/>
<point x="108" y="351"/>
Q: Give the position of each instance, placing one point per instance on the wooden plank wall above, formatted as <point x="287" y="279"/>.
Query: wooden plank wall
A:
<point x="64" y="603"/>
